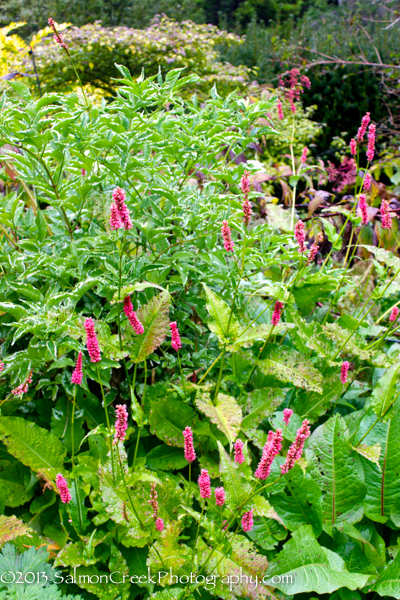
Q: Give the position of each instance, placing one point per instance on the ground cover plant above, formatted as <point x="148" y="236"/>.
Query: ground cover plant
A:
<point x="193" y="396"/>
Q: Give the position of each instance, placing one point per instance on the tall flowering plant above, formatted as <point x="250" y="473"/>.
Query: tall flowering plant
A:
<point x="187" y="394"/>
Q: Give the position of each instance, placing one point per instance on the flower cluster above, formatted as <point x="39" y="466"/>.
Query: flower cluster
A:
<point x="300" y="235"/>
<point x="314" y="248"/>
<point x="92" y="343"/>
<point x="226" y="234"/>
<point x="238" y="447"/>
<point x="367" y="181"/>
<point x="245" y="187"/>
<point x="62" y="486"/>
<point x="386" y="218"/>
<point x="23" y="387"/>
<point x="271" y="449"/>
<point x="190" y="453"/>
<point x="280" y="111"/>
<point x="57" y="37"/>
<point x="2" y="365"/>
<point x="276" y="315"/>
<point x="121" y="423"/>
<point x="362" y="205"/>
<point x="77" y="375"/>
<point x="119" y="213"/>
<point x="219" y="496"/>
<point x="204" y="484"/>
<point x="343" y="175"/>
<point x="175" y="337"/>
<point x="344" y="371"/>
<point x="363" y="127"/>
<point x="394" y="314"/>
<point x="293" y="85"/>
<point x="371" y="142"/>
<point x="296" y="449"/>
<point x="247" y="521"/>
<point x="154" y="504"/>
<point x="287" y="414"/>
<point x="303" y="158"/>
<point x="132" y="317"/>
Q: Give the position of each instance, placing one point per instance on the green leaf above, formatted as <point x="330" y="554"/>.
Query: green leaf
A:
<point x="388" y="584"/>
<point x="226" y="414"/>
<point x="260" y="405"/>
<point x="220" y="313"/>
<point x="14" y="479"/>
<point x="41" y="225"/>
<point x="385" y="393"/>
<point x="247" y="337"/>
<point x="154" y="318"/>
<point x="313" y="405"/>
<point x="371" y="453"/>
<point x="32" y="445"/>
<point x="166" y="458"/>
<point x="13" y="309"/>
<point x="385" y="256"/>
<point x="352" y="346"/>
<point x="168" y="554"/>
<point x="236" y="487"/>
<point x="139" y="286"/>
<point x="301" y="503"/>
<point x="290" y="366"/>
<point x="25" y="289"/>
<point x="168" y="419"/>
<point x="338" y="472"/>
<point x="309" y="567"/>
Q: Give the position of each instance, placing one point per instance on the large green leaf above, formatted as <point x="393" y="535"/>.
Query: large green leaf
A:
<point x="166" y="458"/>
<point x="385" y="393"/>
<point x="291" y="367"/>
<point x="14" y="480"/>
<point x="34" y="446"/>
<point x="236" y="487"/>
<point x="388" y="583"/>
<point x="168" y="419"/>
<point x="338" y="471"/>
<point x="385" y="256"/>
<point x="219" y="317"/>
<point x="382" y="500"/>
<point x="247" y="337"/>
<point x="313" y="404"/>
<point x="309" y="567"/>
<point x="353" y="346"/>
<point x="154" y="318"/>
<point x="301" y="502"/>
<point x="168" y="554"/>
<point x="226" y="414"/>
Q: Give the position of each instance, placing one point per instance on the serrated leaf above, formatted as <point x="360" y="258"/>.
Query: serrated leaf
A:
<point x="291" y="367"/>
<point x="226" y="414"/>
<point x="220" y="313"/>
<point x="154" y="318"/>
<point x="384" y="393"/>
<point x="34" y="446"/>
<point x="338" y="472"/>
<point x="309" y="567"/>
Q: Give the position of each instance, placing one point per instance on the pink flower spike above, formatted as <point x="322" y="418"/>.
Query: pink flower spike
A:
<point x="300" y="235"/>
<point x="386" y="219"/>
<point x="303" y="158"/>
<point x="271" y="449"/>
<point x="78" y="373"/>
<point x="132" y="317"/>
<point x="121" y="423"/>
<point x="363" y="127"/>
<point x="2" y="365"/>
<point x="277" y="313"/>
<point x="371" y="142"/>
<point x="367" y="181"/>
<point x="153" y="500"/>
<point x="247" y="212"/>
<point x="159" y="524"/>
<point x="175" y="337"/>
<point x="115" y="221"/>
<point x="353" y="147"/>
<point x="190" y="454"/>
<point x="296" y="449"/>
<point x="344" y="371"/>
<point x="91" y="341"/>
<point x="119" y="198"/>
<point x="245" y="184"/>
<point x="226" y="234"/>
<point x="314" y="248"/>
<point x="238" y="447"/>
<point x="62" y="485"/>
<point x="247" y="521"/>
<point x="204" y="484"/>
<point x="280" y="111"/>
<point x="362" y="205"/>
<point x="23" y="387"/>
<point x="394" y="314"/>
<point x="219" y="496"/>
<point x="287" y="413"/>
<point x="57" y="37"/>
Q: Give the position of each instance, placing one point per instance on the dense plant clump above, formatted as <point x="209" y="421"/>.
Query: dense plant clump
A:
<point x="195" y="392"/>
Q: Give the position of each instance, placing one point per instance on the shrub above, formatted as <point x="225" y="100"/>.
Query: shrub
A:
<point x="129" y="243"/>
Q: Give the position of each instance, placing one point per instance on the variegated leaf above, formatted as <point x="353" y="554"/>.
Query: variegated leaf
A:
<point x="154" y="318"/>
<point x="226" y="414"/>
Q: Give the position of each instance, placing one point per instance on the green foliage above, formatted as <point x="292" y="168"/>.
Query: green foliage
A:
<point x="331" y="523"/>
